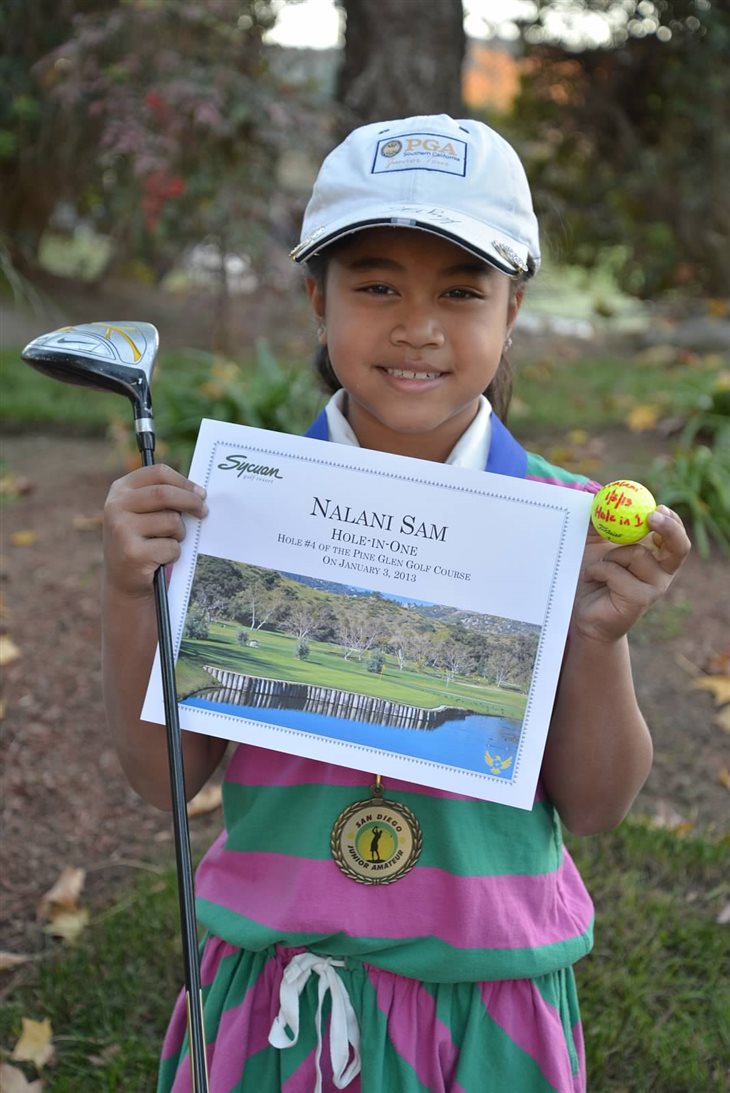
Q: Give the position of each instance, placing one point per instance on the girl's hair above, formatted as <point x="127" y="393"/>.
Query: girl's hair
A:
<point x="499" y="391"/>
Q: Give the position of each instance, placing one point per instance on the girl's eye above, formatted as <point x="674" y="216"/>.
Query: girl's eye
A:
<point x="377" y="289"/>
<point x="464" y="294"/>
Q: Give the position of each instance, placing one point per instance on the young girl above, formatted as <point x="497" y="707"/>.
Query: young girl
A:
<point x="418" y="242"/>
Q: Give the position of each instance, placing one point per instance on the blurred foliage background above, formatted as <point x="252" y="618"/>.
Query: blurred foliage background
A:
<point x="164" y="124"/>
<point x="156" y="155"/>
<point x="155" y="158"/>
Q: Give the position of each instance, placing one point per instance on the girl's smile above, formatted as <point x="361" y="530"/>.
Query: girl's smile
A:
<point x="414" y="326"/>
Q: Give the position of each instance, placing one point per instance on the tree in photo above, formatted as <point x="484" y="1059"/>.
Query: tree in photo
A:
<point x="197" y="623"/>
<point x="628" y="144"/>
<point x="400" y="59"/>
<point x="450" y="658"/>
<point x="182" y="124"/>
<point x="47" y="151"/>
<point x="216" y="583"/>
<point x="301" y="618"/>
<point x="259" y="604"/>
<point x="359" y="626"/>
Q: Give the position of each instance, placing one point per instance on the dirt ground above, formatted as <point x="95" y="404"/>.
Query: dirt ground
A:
<point x="64" y="798"/>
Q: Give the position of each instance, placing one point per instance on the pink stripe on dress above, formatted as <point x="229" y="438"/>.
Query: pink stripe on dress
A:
<point x="552" y="480"/>
<point x="534" y="1025"/>
<point x="317" y="899"/>
<point x="243" y="1030"/>
<point x="213" y="952"/>
<point x="304" y="1077"/>
<point x="252" y="766"/>
<point x="410" y="1009"/>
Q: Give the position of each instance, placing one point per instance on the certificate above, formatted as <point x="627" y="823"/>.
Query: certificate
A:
<point x="379" y="612"/>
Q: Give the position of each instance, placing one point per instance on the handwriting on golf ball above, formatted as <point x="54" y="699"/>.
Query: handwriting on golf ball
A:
<point x="636" y="521"/>
<point x="619" y="512"/>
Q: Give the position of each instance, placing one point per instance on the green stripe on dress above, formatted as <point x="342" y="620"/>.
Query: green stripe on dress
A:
<point x="476" y="838"/>
<point x="416" y="958"/>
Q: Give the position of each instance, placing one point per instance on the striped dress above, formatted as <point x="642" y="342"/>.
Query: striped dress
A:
<point x="458" y="977"/>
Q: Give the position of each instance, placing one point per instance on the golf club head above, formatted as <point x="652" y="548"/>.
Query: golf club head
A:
<point x="117" y="357"/>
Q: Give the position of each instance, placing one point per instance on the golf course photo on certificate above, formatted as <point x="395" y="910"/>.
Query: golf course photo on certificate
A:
<point x="373" y="611"/>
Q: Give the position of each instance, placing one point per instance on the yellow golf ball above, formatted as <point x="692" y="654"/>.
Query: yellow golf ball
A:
<point x="620" y="510"/>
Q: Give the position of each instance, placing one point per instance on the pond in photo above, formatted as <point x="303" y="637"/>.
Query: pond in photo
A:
<point x="458" y="738"/>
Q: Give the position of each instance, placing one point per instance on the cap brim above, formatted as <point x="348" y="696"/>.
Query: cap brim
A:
<point x="506" y="255"/>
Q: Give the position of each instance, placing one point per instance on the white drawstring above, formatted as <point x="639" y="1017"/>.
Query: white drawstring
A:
<point x="344" y="1031"/>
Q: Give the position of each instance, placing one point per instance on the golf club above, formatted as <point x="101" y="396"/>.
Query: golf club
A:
<point x="120" y="357"/>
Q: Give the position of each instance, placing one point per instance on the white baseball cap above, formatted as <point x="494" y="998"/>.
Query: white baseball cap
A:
<point x="454" y="178"/>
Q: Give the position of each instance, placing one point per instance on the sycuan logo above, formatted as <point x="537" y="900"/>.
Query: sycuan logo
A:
<point x="240" y="464"/>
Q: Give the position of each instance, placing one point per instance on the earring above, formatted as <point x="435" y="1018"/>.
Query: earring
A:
<point x="321" y="328"/>
<point x="507" y="345"/>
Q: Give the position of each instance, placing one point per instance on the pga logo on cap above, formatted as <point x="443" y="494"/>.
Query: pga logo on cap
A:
<point x="420" y="151"/>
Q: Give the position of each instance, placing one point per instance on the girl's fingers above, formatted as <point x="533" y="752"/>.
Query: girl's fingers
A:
<point x="670" y="541"/>
<point x="162" y="498"/>
<point x="144" y="524"/>
<point x="160" y="525"/>
<point x="156" y="489"/>
<point x="667" y="547"/>
<point x="157" y="473"/>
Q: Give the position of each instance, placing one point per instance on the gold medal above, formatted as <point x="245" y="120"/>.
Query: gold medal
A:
<point x="376" y="841"/>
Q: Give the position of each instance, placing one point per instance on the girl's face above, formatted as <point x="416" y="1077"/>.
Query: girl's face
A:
<point x="414" y="326"/>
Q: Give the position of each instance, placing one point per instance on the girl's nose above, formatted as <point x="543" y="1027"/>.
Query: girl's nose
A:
<point x="418" y="329"/>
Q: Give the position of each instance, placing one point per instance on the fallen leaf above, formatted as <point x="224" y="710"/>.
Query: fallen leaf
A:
<point x="690" y="668"/>
<point x="103" y="1057"/>
<point x="8" y="961"/>
<point x="88" y="523"/>
<point x="719" y="686"/>
<point x="717" y="307"/>
<point x="13" y="1080"/>
<point x="64" y="895"/>
<point x="642" y="417"/>
<point x="68" y="925"/>
<point x="719" y="663"/>
<point x="34" y="1045"/>
<point x="667" y="817"/>
<point x="724" y="778"/>
<point x="208" y="800"/>
<point x="657" y="354"/>
<point x="23" y="538"/>
<point x="9" y="651"/>
<point x="15" y="485"/>
<point x="724" y="917"/>
<point x="723" y="720"/>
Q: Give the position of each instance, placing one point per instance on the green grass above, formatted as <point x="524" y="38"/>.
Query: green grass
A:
<point x="325" y="666"/>
<point x="30" y="399"/>
<point x="598" y="393"/>
<point x="108" y="998"/>
<point x="654" y="995"/>
<point x="550" y="394"/>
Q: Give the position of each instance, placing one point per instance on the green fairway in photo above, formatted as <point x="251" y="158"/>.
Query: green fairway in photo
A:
<point x="273" y="657"/>
<point x="339" y="641"/>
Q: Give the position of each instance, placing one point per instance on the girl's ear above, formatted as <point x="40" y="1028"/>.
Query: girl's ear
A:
<point x="316" y="297"/>
<point x="513" y="309"/>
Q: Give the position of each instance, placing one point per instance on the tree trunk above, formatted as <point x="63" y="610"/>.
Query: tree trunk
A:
<point x="401" y="57"/>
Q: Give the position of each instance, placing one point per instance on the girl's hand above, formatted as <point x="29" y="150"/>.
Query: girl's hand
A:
<point x="619" y="583"/>
<point x="143" y="525"/>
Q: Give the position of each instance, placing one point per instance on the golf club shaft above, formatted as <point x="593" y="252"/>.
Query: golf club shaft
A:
<point x="185" y="883"/>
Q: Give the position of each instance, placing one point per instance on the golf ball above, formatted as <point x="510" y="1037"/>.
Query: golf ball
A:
<point x="620" y="510"/>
